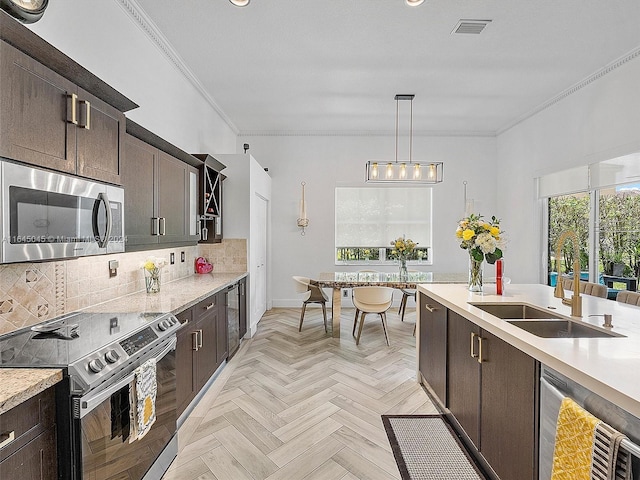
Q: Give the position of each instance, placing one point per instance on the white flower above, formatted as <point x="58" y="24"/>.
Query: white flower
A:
<point x="486" y="242"/>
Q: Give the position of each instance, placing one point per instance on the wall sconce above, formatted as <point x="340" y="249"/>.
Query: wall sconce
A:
<point x="303" y="221"/>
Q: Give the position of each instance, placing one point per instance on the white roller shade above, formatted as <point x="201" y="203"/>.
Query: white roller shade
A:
<point x="617" y="171"/>
<point x="573" y="180"/>
<point x="373" y="216"/>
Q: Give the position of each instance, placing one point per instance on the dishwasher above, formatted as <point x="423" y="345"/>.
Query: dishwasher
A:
<point x="553" y="388"/>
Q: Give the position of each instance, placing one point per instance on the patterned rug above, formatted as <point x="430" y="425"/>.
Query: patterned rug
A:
<point x="426" y="448"/>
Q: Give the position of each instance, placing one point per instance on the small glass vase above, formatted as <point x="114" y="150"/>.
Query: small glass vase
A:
<point x="404" y="274"/>
<point x="152" y="280"/>
<point x="475" y="275"/>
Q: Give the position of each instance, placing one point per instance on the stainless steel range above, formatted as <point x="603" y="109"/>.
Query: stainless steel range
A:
<point x="99" y="354"/>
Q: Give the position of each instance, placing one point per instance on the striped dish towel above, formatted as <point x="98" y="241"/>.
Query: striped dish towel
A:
<point x="609" y="461"/>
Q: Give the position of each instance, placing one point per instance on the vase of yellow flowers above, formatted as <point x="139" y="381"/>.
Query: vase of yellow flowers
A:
<point x="483" y="240"/>
<point x="402" y="248"/>
<point x="152" y="268"/>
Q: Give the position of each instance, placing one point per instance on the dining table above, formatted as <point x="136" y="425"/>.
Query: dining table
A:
<point x="339" y="280"/>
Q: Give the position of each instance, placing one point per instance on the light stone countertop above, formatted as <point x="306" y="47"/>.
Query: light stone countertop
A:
<point x="173" y="297"/>
<point x="20" y="384"/>
<point x="607" y="366"/>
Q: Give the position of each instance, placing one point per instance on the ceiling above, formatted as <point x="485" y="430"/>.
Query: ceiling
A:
<point x="334" y="66"/>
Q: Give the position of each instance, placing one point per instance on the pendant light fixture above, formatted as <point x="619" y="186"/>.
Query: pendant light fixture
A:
<point x="414" y="3"/>
<point x="404" y="171"/>
<point x="240" y="3"/>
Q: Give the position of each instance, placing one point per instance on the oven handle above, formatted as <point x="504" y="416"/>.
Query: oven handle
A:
<point x="93" y="399"/>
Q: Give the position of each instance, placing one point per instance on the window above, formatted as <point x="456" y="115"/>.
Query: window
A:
<point x="369" y="218"/>
<point x="605" y="214"/>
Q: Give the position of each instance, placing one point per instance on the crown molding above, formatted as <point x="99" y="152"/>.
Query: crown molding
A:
<point x="634" y="54"/>
<point x="358" y="133"/>
<point x="142" y="20"/>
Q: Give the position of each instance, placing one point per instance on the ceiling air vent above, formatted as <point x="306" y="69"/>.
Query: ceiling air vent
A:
<point x="471" y="26"/>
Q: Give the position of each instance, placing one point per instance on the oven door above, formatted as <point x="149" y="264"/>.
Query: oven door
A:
<point x="47" y="215"/>
<point x="106" y="451"/>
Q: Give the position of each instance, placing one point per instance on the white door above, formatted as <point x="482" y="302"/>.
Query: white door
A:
<point x="259" y="243"/>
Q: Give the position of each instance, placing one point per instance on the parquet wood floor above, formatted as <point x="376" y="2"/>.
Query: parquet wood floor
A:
<point x="304" y="406"/>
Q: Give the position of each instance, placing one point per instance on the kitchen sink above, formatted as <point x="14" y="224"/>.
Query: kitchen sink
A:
<point x="515" y="310"/>
<point x="550" y="328"/>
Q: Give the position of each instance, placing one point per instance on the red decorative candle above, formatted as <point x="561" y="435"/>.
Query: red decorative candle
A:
<point x="499" y="276"/>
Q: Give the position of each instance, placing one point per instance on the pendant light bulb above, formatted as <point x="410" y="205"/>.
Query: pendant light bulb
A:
<point x="432" y="171"/>
<point x="389" y="170"/>
<point x="374" y="170"/>
<point x="240" y="3"/>
<point x="403" y="171"/>
<point x="416" y="172"/>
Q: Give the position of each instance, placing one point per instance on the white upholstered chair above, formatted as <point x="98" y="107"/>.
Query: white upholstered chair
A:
<point x="629" y="297"/>
<point x="311" y="293"/>
<point x="372" y="300"/>
<point x="587" y="288"/>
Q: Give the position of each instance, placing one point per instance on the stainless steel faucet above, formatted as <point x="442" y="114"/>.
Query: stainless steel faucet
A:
<point x="576" y="300"/>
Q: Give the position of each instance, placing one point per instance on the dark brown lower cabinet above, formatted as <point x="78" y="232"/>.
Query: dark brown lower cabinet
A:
<point x="508" y="436"/>
<point x="464" y="375"/>
<point x="32" y="455"/>
<point x="433" y="345"/>
<point x="493" y="397"/>
<point x="201" y="347"/>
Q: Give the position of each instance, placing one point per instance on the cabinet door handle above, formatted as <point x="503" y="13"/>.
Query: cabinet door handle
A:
<point x="210" y="306"/>
<point x="72" y="112"/>
<point x="84" y="114"/>
<point x="201" y="335"/>
<point x="480" y="349"/>
<point x="194" y="336"/>
<point x="473" y="353"/>
<point x="155" y="226"/>
<point x="162" y="223"/>
<point x="6" y="438"/>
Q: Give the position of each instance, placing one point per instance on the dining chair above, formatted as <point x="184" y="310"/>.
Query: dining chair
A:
<point x="628" y="297"/>
<point x="407" y="293"/>
<point x="355" y="317"/>
<point x="587" y="288"/>
<point x="372" y="300"/>
<point x="312" y="294"/>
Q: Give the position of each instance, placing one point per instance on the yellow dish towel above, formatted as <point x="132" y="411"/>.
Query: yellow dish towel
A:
<point x="575" y="433"/>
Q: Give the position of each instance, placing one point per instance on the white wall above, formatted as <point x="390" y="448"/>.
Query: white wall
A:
<point x="599" y="121"/>
<point x="323" y="161"/>
<point x="103" y="38"/>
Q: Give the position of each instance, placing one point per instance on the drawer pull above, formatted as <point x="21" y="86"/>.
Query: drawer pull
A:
<point x="194" y="346"/>
<point x="210" y="306"/>
<point x="7" y="438"/>
<point x="84" y="114"/>
<point x="200" y="335"/>
<point x="430" y="308"/>
<point x="479" y="349"/>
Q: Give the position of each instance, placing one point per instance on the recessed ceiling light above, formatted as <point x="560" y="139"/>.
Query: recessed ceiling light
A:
<point x="240" y="3"/>
<point x="413" y="3"/>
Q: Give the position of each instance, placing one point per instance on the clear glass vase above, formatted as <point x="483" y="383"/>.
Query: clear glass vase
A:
<point x="475" y="275"/>
<point x="404" y="274"/>
<point x="152" y="280"/>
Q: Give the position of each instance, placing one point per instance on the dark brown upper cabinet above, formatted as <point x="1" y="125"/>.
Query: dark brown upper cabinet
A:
<point x="51" y="122"/>
<point x="210" y="198"/>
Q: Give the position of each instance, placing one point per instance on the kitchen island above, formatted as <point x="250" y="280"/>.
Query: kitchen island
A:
<point x="607" y="366"/>
<point x="481" y="365"/>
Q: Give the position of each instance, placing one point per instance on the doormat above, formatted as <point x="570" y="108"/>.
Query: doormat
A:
<point x="426" y="447"/>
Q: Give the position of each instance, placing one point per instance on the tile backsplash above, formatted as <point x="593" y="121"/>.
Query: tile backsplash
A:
<point x="34" y="292"/>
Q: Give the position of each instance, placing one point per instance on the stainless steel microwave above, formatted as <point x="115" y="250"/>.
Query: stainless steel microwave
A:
<point x="47" y="215"/>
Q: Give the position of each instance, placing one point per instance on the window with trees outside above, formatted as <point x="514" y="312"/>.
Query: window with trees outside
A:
<point x="368" y="219"/>
<point x="606" y="219"/>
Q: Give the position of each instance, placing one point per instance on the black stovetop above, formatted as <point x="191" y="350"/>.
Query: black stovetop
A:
<point x="63" y="341"/>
